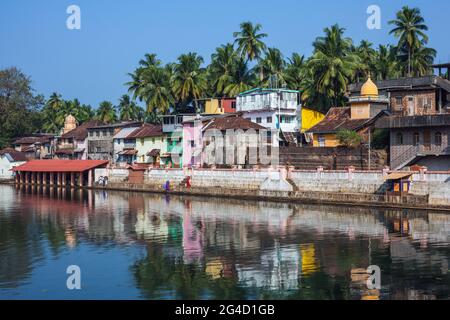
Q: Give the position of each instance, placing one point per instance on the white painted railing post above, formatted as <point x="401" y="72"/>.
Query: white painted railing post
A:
<point x="319" y="173"/>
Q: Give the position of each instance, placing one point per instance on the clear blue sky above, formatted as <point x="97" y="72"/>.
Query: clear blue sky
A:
<point x="92" y="63"/>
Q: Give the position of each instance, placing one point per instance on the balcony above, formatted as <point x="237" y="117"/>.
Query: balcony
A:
<point x="414" y="121"/>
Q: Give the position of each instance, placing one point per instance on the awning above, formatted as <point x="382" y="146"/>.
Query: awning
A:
<point x="398" y="175"/>
<point x="154" y="153"/>
<point x="130" y="152"/>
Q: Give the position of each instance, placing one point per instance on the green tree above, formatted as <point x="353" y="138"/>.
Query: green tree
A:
<point x="272" y="68"/>
<point x="409" y="28"/>
<point x="128" y="110"/>
<point x="189" y="79"/>
<point x="106" y="112"/>
<point x="331" y="68"/>
<point x="242" y="79"/>
<point x="366" y="60"/>
<point x="249" y="41"/>
<point x="220" y="71"/>
<point x="19" y="106"/>
<point x="386" y="63"/>
<point x="52" y="120"/>
<point x="420" y="62"/>
<point x="349" y="138"/>
<point x="295" y="72"/>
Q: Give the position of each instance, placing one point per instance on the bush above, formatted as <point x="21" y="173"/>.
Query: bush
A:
<point x="349" y="138"/>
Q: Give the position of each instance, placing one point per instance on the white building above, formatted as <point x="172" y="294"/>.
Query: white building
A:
<point x="10" y="158"/>
<point x="277" y="109"/>
<point x="121" y="143"/>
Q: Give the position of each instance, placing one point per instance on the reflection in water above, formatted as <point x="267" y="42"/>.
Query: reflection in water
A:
<point x="133" y="245"/>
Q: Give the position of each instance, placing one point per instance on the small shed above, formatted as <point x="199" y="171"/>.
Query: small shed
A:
<point x="399" y="182"/>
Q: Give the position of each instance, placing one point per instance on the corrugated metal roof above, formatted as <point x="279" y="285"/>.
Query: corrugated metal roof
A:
<point x="123" y="133"/>
<point x="147" y="130"/>
<point x="60" y="165"/>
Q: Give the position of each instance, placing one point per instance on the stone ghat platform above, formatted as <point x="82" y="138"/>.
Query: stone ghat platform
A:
<point x="429" y="190"/>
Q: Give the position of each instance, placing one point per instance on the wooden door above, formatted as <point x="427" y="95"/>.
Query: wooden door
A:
<point x="427" y="140"/>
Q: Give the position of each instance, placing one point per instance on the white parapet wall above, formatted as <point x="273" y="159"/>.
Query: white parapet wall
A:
<point x="435" y="185"/>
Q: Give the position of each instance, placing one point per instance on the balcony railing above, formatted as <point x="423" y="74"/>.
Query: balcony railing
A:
<point x="414" y="121"/>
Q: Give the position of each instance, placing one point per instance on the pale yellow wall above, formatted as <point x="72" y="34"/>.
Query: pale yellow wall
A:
<point x="330" y="140"/>
<point x="310" y="118"/>
<point x="213" y="107"/>
<point x="145" y="145"/>
<point x="360" y="111"/>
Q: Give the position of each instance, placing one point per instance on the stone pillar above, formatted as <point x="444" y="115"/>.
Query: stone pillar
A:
<point x="423" y="173"/>
<point x="52" y="179"/>
<point x="64" y="179"/>
<point x="26" y="178"/>
<point x="319" y="172"/>
<point x="44" y="178"/>
<point x="81" y="179"/>
<point x="350" y="171"/>
<point x="290" y="171"/>
<point x="59" y="179"/>
<point x="16" y="177"/>
<point x="90" y="178"/>
<point x="72" y="180"/>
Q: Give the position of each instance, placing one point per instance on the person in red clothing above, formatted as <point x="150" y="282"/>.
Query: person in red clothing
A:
<point x="188" y="182"/>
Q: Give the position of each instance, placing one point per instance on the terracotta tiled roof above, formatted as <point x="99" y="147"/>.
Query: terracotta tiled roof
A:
<point x="81" y="132"/>
<point x="60" y="165"/>
<point x="14" y="154"/>
<point x="147" y="130"/>
<point x="128" y="152"/>
<point x="336" y="119"/>
<point x="34" y="139"/>
<point x="233" y="123"/>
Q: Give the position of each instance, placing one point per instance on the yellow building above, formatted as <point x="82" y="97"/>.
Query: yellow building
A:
<point x="212" y="106"/>
<point x="310" y="118"/>
<point x="359" y="116"/>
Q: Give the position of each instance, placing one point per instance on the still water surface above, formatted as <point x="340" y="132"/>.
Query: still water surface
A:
<point x="143" y="246"/>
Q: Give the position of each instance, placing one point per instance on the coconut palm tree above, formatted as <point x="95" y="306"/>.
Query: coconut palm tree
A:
<point x="106" y="112"/>
<point x="51" y="113"/>
<point x="331" y="66"/>
<point x="242" y="79"/>
<point x="156" y="90"/>
<point x="150" y="60"/>
<point x="365" y="55"/>
<point x="249" y="41"/>
<point x="420" y="62"/>
<point x="189" y="79"/>
<point x="128" y="110"/>
<point x="220" y="70"/>
<point x="295" y="71"/>
<point x="385" y="63"/>
<point x="409" y="28"/>
<point x="272" y="68"/>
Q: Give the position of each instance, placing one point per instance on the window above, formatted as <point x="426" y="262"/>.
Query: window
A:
<point x="233" y="105"/>
<point x="97" y="133"/>
<point x="399" y="138"/>
<point x="438" y="138"/>
<point x="269" y="119"/>
<point x="416" y="139"/>
<point x="253" y="98"/>
<point x="258" y="120"/>
<point x="192" y="144"/>
<point x="104" y="133"/>
<point x="321" y="141"/>
<point x="399" y="101"/>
